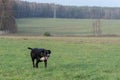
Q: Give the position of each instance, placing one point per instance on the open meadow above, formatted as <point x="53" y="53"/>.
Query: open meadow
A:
<point x="72" y="58"/>
<point x="63" y="27"/>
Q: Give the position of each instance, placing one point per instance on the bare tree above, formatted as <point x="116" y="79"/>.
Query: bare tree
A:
<point x="96" y="27"/>
<point x="7" y="19"/>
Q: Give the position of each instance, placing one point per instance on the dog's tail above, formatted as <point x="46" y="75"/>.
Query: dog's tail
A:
<point x="30" y="48"/>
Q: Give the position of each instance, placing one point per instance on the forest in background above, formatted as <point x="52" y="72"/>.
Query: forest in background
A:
<point x="24" y="9"/>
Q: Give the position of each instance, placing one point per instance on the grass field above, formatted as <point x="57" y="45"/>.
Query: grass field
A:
<point x="72" y="58"/>
<point x="38" y="26"/>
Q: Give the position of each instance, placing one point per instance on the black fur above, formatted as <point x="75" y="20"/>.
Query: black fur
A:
<point x="37" y="54"/>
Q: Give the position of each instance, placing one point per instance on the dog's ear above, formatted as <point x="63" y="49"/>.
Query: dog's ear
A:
<point x="49" y="51"/>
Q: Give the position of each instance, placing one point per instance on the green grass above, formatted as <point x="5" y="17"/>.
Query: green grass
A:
<point x="54" y="26"/>
<point x="38" y="26"/>
<point x="110" y="26"/>
<point x="72" y="58"/>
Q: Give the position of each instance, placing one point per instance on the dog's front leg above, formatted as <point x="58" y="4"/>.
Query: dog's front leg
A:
<point x="45" y="62"/>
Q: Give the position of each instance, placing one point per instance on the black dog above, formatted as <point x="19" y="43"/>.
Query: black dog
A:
<point x="40" y="54"/>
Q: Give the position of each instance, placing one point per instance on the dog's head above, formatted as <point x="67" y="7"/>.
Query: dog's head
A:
<point x="46" y="54"/>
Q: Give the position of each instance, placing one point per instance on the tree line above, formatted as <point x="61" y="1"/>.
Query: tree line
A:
<point x="11" y="9"/>
<point x="24" y="9"/>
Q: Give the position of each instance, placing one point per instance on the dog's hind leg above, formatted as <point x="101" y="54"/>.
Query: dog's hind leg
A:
<point x="33" y="62"/>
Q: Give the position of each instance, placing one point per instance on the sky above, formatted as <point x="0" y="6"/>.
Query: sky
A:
<point x="102" y="3"/>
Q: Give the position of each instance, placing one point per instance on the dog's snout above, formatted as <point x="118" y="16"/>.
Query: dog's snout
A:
<point x="48" y="55"/>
